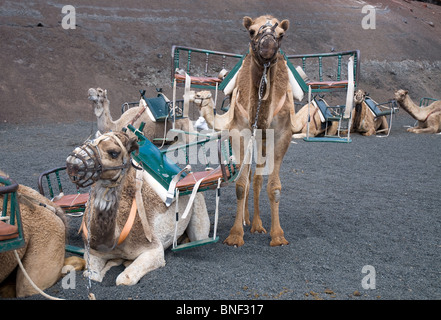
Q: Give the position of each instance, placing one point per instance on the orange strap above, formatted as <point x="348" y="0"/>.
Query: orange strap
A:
<point x="129" y="223"/>
<point x="127" y="227"/>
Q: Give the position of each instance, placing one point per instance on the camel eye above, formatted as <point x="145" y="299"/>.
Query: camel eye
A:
<point x="252" y="33"/>
<point x="113" y="154"/>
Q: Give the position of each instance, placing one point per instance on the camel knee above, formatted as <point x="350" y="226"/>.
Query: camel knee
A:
<point x="240" y="192"/>
<point x="275" y="195"/>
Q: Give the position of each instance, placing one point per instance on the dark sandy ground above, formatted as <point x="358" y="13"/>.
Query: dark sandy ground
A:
<point x="372" y="202"/>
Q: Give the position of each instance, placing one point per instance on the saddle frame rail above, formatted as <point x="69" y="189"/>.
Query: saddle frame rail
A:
<point x="14" y="237"/>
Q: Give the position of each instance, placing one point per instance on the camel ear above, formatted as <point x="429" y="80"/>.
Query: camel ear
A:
<point x="406" y="91"/>
<point x="247" y="22"/>
<point x="133" y="145"/>
<point x="105" y="93"/>
<point x="284" y="25"/>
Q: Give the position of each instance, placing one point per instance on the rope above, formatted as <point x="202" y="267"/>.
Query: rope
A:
<point x="32" y="282"/>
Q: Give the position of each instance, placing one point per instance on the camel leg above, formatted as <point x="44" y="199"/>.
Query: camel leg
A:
<point x="274" y="188"/>
<point x="149" y="260"/>
<point x="98" y="266"/>
<point x="257" y="187"/>
<point x="235" y="238"/>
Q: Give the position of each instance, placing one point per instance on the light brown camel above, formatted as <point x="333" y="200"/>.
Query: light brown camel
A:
<point x="299" y="123"/>
<point x="119" y="195"/>
<point x="43" y="255"/>
<point x="204" y="101"/>
<point x="365" y="121"/>
<point x="263" y="74"/>
<point x="429" y="118"/>
<point x="151" y="130"/>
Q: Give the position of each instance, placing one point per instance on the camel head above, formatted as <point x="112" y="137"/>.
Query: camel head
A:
<point x="266" y="34"/>
<point x="359" y="96"/>
<point x="104" y="158"/>
<point x="400" y="95"/>
<point x="202" y="99"/>
<point x="98" y="96"/>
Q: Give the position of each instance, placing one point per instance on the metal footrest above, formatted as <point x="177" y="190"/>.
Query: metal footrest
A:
<point x="327" y="139"/>
<point x="195" y="244"/>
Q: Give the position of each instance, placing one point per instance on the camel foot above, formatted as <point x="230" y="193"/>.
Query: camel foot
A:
<point x="234" y="240"/>
<point x="257" y="227"/>
<point x="278" y="241"/>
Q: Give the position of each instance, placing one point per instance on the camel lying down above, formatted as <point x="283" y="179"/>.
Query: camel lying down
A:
<point x="43" y="255"/>
<point x="120" y="190"/>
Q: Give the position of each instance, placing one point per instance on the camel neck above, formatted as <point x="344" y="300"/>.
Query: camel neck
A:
<point x="412" y="108"/>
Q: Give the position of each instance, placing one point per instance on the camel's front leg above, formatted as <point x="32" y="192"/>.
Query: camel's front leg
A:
<point x="235" y="238"/>
<point x="151" y="259"/>
<point x="98" y="266"/>
<point x="274" y="188"/>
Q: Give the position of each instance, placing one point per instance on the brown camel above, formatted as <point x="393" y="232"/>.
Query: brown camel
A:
<point x="136" y="115"/>
<point x="262" y="100"/>
<point x="43" y="256"/>
<point x="365" y="121"/>
<point x="429" y="118"/>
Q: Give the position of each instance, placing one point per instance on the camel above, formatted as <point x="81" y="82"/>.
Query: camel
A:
<point x="136" y="115"/>
<point x="43" y="256"/>
<point x="299" y="123"/>
<point x="262" y="100"/>
<point x="117" y="184"/>
<point x="365" y="121"/>
<point x="204" y="101"/>
<point x="429" y="118"/>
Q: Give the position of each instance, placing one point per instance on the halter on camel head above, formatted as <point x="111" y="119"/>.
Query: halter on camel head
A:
<point x="265" y="42"/>
<point x="85" y="165"/>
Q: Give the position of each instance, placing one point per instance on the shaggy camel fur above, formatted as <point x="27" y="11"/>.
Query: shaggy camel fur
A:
<point x="272" y="117"/>
<point x="365" y="121"/>
<point x="112" y="198"/>
<point x="151" y="129"/>
<point x="45" y="239"/>
<point x="429" y="118"/>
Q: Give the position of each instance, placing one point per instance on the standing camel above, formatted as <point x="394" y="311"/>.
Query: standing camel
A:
<point x="429" y="118"/>
<point x="262" y="100"/>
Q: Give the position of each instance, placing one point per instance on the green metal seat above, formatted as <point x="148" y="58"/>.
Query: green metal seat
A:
<point x="163" y="170"/>
<point x="11" y="231"/>
<point x="50" y="185"/>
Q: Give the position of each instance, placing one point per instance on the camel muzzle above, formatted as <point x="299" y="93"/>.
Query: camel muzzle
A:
<point x="265" y="45"/>
<point x="84" y="165"/>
